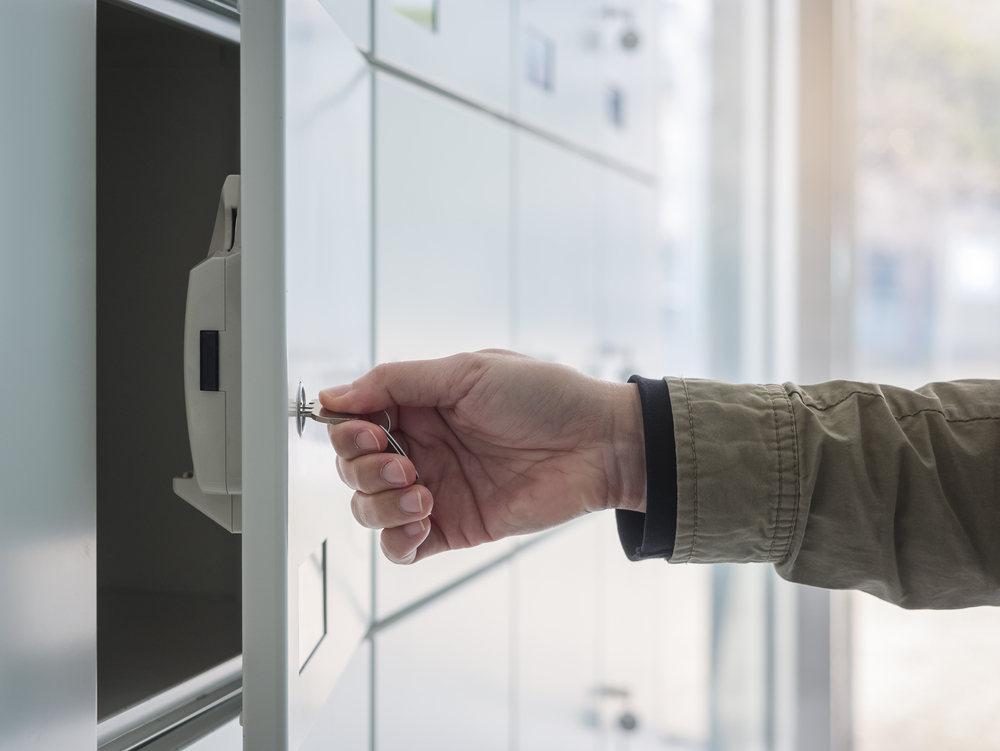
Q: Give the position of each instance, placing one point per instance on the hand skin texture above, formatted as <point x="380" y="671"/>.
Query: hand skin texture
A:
<point x="505" y="445"/>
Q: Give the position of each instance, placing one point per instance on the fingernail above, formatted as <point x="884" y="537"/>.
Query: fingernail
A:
<point x="414" y="528"/>
<point x="334" y="391"/>
<point x="393" y="473"/>
<point x="366" y="441"/>
<point x="410" y="501"/>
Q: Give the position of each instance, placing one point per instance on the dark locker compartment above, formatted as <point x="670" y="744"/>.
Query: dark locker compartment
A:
<point x="168" y="134"/>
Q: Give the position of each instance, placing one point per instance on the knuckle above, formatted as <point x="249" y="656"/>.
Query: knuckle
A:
<point x="467" y="360"/>
<point x="337" y="437"/>
<point x="346" y="470"/>
<point x="380" y="372"/>
<point x="356" y="510"/>
<point x="361" y="507"/>
<point x="471" y="365"/>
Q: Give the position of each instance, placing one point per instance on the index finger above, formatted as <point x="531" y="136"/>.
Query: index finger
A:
<point x="417" y="383"/>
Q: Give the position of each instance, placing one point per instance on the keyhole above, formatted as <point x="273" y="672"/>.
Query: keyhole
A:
<point x="232" y="234"/>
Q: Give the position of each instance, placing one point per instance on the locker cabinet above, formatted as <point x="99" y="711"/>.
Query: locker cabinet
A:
<point x="167" y="137"/>
<point x="483" y="235"/>
<point x="156" y="623"/>
<point x="443" y="263"/>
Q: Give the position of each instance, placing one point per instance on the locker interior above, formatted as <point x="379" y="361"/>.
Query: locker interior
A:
<point x="169" y="579"/>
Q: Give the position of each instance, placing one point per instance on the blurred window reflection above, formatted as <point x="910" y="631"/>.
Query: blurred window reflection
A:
<point x="928" y="282"/>
<point x="927" y="308"/>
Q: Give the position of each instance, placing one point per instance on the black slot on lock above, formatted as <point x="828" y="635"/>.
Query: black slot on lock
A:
<point x="209" y="360"/>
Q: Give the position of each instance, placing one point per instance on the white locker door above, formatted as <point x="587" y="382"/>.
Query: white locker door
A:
<point x="48" y="665"/>
<point x="442" y="227"/>
<point x="442" y="674"/>
<point x="630" y="335"/>
<point x="463" y="45"/>
<point x="557" y="69"/>
<point x="557" y="244"/>
<point x="306" y="133"/>
<point x="557" y="646"/>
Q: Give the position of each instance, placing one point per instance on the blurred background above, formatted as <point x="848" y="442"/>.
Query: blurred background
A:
<point x="926" y="296"/>
<point x="748" y="190"/>
<point x="828" y="203"/>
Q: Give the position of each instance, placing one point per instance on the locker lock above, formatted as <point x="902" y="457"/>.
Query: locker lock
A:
<point x="212" y="370"/>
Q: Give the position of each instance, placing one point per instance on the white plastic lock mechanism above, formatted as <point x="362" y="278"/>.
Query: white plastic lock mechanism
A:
<point x="212" y="374"/>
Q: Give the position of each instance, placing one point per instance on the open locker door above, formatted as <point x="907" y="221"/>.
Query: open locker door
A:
<point x="306" y="224"/>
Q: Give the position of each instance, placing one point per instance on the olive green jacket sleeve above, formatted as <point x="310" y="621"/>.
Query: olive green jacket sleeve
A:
<point x="845" y="485"/>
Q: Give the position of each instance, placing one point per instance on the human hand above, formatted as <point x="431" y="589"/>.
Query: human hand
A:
<point x="505" y="445"/>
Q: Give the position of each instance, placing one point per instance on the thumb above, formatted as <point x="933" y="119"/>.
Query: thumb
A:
<point x="416" y="383"/>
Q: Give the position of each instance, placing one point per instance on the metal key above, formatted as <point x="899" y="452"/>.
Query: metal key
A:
<point x="319" y="413"/>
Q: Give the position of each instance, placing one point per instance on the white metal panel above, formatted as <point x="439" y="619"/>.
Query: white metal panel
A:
<point x="653" y="665"/>
<point x="399" y="586"/>
<point x="354" y="19"/>
<point x="306" y="317"/>
<point x="556" y="641"/>
<point x="48" y="660"/>
<point x="228" y="737"/>
<point x="557" y="246"/>
<point x="467" y="49"/>
<point x="563" y="37"/>
<point x="344" y="722"/>
<point x="442" y="261"/>
<point x="587" y="72"/>
<point x="442" y="675"/>
<point x="628" y="77"/>
<point x="630" y="280"/>
<point x="442" y="225"/>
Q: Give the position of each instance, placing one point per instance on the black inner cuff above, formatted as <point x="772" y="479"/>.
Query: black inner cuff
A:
<point x="651" y="535"/>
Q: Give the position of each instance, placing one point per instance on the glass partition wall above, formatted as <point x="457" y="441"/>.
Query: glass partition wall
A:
<point x="927" y="288"/>
<point x="750" y="221"/>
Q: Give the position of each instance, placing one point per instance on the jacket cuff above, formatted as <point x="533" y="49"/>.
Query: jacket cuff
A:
<point x="737" y="472"/>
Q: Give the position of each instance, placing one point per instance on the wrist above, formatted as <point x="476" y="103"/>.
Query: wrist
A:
<point x="628" y="486"/>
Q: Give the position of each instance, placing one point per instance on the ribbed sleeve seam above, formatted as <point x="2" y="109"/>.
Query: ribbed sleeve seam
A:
<point x="694" y="463"/>
<point x="777" y="453"/>
<point x="785" y="516"/>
